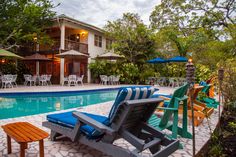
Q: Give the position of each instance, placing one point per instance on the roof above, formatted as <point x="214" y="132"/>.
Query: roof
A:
<point x="71" y="53"/>
<point x="37" y="57"/>
<point x="86" y="25"/>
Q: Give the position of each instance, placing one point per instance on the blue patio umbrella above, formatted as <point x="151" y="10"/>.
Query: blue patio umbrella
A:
<point x="178" y="59"/>
<point x="157" y="60"/>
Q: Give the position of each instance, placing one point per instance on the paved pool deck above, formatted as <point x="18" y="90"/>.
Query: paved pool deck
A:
<point x="66" y="148"/>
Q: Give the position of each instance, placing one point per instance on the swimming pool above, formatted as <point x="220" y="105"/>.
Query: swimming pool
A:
<point x="24" y="104"/>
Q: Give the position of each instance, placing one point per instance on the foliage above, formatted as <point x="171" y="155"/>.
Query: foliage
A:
<point x="10" y="68"/>
<point x="187" y="15"/>
<point x="129" y="73"/>
<point x="132" y="38"/>
<point x="202" y="73"/>
<point x="23" y="20"/>
<point x="229" y="83"/>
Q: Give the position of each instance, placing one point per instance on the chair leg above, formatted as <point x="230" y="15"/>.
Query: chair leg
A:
<point x="8" y="144"/>
<point x="22" y="149"/>
<point x="41" y="148"/>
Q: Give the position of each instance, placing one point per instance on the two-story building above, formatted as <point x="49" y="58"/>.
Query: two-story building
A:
<point x="67" y="34"/>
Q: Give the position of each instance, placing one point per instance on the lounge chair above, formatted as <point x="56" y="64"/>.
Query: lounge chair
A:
<point x="127" y="119"/>
<point x="208" y="100"/>
<point x="171" y="109"/>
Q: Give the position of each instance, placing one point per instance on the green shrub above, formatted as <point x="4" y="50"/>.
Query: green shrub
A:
<point x="20" y="70"/>
<point x="202" y="73"/>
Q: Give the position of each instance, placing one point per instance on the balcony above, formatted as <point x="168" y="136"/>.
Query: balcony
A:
<point x="81" y="47"/>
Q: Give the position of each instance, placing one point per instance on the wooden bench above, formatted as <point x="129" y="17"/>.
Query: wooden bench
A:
<point x="22" y="133"/>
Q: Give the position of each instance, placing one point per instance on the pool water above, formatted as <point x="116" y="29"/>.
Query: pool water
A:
<point x="18" y="105"/>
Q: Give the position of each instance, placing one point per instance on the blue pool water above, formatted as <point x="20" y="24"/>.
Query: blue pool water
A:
<point x="17" y="105"/>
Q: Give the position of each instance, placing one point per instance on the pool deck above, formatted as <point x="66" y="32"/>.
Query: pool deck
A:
<point x="65" y="148"/>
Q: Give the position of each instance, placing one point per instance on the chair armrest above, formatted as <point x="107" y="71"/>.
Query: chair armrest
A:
<point x="165" y="108"/>
<point x="93" y="123"/>
<point x="165" y="98"/>
<point x="182" y="99"/>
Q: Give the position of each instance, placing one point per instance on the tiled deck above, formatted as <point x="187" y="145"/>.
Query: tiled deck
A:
<point x="65" y="148"/>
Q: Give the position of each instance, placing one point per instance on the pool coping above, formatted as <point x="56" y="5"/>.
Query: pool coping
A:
<point x="11" y="93"/>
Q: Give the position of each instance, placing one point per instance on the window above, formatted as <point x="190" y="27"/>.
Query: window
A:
<point x="108" y="44"/>
<point x="98" y="40"/>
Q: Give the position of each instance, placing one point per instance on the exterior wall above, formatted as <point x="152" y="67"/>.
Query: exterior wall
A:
<point x="88" y="38"/>
<point x="95" y="50"/>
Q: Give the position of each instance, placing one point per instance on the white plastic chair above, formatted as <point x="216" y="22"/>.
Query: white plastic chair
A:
<point x="110" y="79"/>
<point x="116" y="80"/>
<point x="65" y="81"/>
<point x="72" y="80"/>
<point x="80" y="79"/>
<point x="104" y="79"/>
<point x="43" y="80"/>
<point x="48" y="78"/>
<point x="173" y="82"/>
<point x="14" y="77"/>
<point x="7" y="81"/>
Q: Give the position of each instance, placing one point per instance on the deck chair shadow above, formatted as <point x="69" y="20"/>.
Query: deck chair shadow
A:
<point x="127" y="119"/>
<point x="171" y="111"/>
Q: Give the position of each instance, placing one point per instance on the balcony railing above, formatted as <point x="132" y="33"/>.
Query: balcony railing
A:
<point x="69" y="45"/>
<point x="81" y="47"/>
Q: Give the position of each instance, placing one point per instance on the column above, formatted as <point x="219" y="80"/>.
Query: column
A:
<point x="88" y="71"/>
<point x="62" y="47"/>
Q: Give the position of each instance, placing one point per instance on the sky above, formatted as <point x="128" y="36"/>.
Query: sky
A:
<point x="98" y="12"/>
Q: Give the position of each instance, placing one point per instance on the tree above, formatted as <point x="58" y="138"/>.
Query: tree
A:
<point x="192" y="14"/>
<point x="216" y="19"/>
<point x="132" y="38"/>
<point x="23" y="20"/>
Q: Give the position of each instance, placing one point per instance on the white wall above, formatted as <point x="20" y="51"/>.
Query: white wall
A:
<point x="93" y="50"/>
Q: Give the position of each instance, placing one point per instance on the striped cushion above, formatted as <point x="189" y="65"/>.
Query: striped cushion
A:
<point x="131" y="93"/>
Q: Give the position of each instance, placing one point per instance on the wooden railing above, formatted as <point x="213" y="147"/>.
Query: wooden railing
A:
<point x="69" y="45"/>
<point x="81" y="47"/>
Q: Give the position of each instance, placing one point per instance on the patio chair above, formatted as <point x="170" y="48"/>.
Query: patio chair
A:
<point x="48" y="79"/>
<point x="43" y="80"/>
<point x="161" y="81"/>
<point x="72" y="80"/>
<point x="65" y="80"/>
<point x="110" y="79"/>
<point x="116" y="80"/>
<point x="209" y="101"/>
<point x="104" y="79"/>
<point x="173" y="82"/>
<point x="30" y="79"/>
<point x="7" y="81"/>
<point x="127" y="119"/>
<point x="171" y="109"/>
<point x="80" y="79"/>
<point x="14" y="78"/>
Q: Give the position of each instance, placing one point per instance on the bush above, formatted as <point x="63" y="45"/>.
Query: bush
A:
<point x="10" y="68"/>
<point x="129" y="73"/>
<point x="229" y="82"/>
<point x="202" y="73"/>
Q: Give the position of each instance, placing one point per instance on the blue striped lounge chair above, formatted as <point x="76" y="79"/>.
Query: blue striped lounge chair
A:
<point x="128" y="119"/>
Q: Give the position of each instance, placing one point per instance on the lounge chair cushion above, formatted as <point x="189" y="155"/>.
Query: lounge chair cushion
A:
<point x="131" y="93"/>
<point x="68" y="120"/>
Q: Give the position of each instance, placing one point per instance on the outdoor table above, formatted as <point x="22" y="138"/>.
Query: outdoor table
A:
<point x="22" y="133"/>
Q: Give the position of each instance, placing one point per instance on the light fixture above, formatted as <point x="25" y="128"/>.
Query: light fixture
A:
<point x="82" y="33"/>
<point x="3" y="61"/>
<point x="35" y="38"/>
<point x="190" y="60"/>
